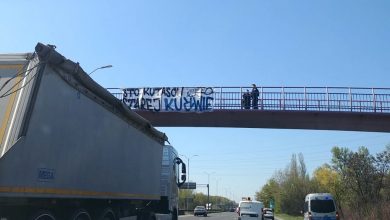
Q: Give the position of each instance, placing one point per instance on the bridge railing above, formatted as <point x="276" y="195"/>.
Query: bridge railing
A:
<point x="344" y="99"/>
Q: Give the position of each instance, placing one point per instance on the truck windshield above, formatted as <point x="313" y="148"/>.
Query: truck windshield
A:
<point x="322" y="206"/>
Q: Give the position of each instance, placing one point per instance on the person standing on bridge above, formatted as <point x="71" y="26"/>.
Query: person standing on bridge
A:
<point x="246" y="100"/>
<point x="255" y="97"/>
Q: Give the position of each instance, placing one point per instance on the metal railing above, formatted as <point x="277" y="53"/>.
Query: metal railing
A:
<point x="338" y="99"/>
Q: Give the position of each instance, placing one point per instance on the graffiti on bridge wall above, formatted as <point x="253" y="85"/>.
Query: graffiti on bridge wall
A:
<point x="169" y="99"/>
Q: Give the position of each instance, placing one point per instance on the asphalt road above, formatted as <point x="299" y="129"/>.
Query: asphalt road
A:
<point x="212" y="216"/>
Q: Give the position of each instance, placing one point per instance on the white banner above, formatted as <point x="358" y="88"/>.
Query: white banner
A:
<point x="170" y="99"/>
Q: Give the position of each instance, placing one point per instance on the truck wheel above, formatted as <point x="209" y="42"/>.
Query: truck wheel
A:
<point x="43" y="215"/>
<point x="107" y="214"/>
<point x="146" y="216"/>
<point x="175" y="215"/>
<point x="81" y="214"/>
<point x="152" y="216"/>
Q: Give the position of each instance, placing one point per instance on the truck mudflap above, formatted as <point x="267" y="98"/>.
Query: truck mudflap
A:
<point x="163" y="216"/>
<point x="154" y="216"/>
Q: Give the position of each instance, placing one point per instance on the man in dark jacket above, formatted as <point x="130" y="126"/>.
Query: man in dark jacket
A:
<point x="246" y="100"/>
<point x="255" y="97"/>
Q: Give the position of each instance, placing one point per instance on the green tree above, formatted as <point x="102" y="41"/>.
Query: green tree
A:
<point x="329" y="180"/>
<point x="364" y="175"/>
<point x="295" y="184"/>
<point x="200" y="199"/>
<point x="270" y="191"/>
<point x="382" y="162"/>
<point x="360" y="182"/>
<point x="185" y="198"/>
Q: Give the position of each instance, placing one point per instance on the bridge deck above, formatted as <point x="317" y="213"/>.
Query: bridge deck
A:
<point x="345" y="121"/>
<point x="323" y="108"/>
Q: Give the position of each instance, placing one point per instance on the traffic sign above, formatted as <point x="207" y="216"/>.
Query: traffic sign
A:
<point x="188" y="185"/>
<point x="271" y="203"/>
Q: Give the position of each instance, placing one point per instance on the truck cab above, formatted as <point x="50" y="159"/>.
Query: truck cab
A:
<point x="173" y="175"/>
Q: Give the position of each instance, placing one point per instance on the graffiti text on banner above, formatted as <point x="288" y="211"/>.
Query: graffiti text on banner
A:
<point x="185" y="99"/>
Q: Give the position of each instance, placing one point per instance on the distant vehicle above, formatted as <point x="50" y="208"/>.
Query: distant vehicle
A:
<point x="200" y="210"/>
<point x="268" y="213"/>
<point x="320" y="206"/>
<point x="252" y="210"/>
<point x="232" y="209"/>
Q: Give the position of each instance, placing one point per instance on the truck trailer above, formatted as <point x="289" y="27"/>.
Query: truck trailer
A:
<point x="69" y="150"/>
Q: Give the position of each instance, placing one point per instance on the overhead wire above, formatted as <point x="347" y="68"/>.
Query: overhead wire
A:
<point x="267" y="165"/>
<point x="264" y="156"/>
<point x="298" y="147"/>
<point x="25" y="73"/>
<point x="20" y="72"/>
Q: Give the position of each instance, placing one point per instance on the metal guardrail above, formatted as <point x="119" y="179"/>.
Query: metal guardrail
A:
<point x="335" y="99"/>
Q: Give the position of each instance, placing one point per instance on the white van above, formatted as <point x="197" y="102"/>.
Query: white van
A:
<point x="251" y="210"/>
<point x="320" y="206"/>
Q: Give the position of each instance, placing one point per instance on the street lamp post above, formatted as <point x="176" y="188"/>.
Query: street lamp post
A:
<point x="217" y="180"/>
<point x="188" y="174"/>
<point x="102" y="67"/>
<point x="208" y="189"/>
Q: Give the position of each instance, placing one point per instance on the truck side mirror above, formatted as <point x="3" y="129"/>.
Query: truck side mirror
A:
<point x="183" y="176"/>
<point x="183" y="168"/>
<point x="184" y="172"/>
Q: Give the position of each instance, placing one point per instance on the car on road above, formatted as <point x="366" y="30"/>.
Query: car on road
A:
<point x="320" y="206"/>
<point x="268" y="213"/>
<point x="251" y="210"/>
<point x="200" y="210"/>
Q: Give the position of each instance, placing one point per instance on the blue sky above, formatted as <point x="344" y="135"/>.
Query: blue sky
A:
<point x="221" y="43"/>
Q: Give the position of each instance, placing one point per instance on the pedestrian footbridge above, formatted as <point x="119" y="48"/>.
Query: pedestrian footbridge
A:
<point x="320" y="108"/>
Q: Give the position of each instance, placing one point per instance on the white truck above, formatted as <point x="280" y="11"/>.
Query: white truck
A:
<point x="250" y="209"/>
<point x="320" y="206"/>
<point x="69" y="150"/>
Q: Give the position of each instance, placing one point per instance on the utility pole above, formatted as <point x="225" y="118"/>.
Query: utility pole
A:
<point x="188" y="175"/>
<point x="208" y="196"/>
<point x="208" y="188"/>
